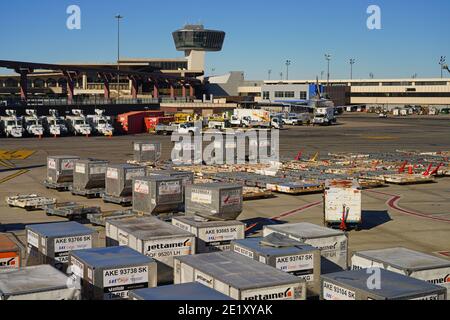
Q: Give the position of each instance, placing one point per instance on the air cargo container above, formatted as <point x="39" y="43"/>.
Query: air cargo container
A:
<point x="333" y="244"/>
<point x="220" y="201"/>
<point x="50" y="243"/>
<point x="60" y="172"/>
<point x="157" y="194"/>
<point x="285" y="254"/>
<point x="89" y="177"/>
<point x="342" y="203"/>
<point x="110" y="273"/>
<point x="154" y="238"/>
<point x="239" y="277"/>
<point x="180" y="292"/>
<point x="9" y="253"/>
<point x="133" y="122"/>
<point x="146" y="151"/>
<point x="377" y="284"/>
<point x="37" y="283"/>
<point x="407" y="262"/>
<point x="118" y="183"/>
<point x="211" y="236"/>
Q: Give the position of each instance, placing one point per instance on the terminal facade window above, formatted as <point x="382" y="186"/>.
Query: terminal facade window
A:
<point x="303" y="95"/>
<point x="266" y="95"/>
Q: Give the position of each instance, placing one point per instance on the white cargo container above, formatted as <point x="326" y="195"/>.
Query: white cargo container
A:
<point x="296" y="258"/>
<point x="342" y="203"/>
<point x="211" y="236"/>
<point x="193" y="291"/>
<point x="50" y="243"/>
<point x="333" y="244"/>
<point x="110" y="273"/>
<point x="407" y="262"/>
<point x="37" y="283"/>
<point x="152" y="237"/>
<point x="354" y="285"/>
<point x="239" y="277"/>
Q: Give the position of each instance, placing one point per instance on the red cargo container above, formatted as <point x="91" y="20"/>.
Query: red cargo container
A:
<point x="133" y="122"/>
<point x="152" y="122"/>
<point x="9" y="253"/>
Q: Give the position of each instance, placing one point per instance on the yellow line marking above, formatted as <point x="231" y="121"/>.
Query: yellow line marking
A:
<point x="14" y="175"/>
<point x="16" y="154"/>
<point x="6" y="164"/>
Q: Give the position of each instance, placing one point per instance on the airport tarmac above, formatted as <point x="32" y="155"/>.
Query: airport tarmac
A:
<point x="417" y="217"/>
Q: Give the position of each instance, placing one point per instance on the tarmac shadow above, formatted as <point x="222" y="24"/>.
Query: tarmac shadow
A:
<point x="373" y="219"/>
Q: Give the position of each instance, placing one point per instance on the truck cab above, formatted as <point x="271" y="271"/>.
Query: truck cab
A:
<point x="11" y="125"/>
<point x="77" y="123"/>
<point x="324" y="116"/>
<point x="100" y="123"/>
<point x="32" y="124"/>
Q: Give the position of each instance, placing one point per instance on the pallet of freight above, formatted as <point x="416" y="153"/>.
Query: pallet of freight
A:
<point x="29" y="201"/>
<point x="253" y="193"/>
<point x="70" y="210"/>
<point x="295" y="188"/>
<point x="404" y="179"/>
<point x="370" y="184"/>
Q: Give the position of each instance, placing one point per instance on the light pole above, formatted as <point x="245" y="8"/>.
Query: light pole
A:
<point x="281" y="76"/>
<point x="442" y="63"/>
<point x="269" y="73"/>
<point x="118" y="17"/>
<point x="321" y="74"/>
<point x="352" y="62"/>
<point x="328" y="58"/>
<point x="288" y="63"/>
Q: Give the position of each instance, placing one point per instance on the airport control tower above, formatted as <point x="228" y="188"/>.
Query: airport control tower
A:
<point x="195" y="40"/>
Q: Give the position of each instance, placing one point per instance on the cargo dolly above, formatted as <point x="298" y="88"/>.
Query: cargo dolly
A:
<point x="29" y="201"/>
<point x="88" y="193"/>
<point x="70" y="210"/>
<point x="123" y="201"/>
<point x="63" y="186"/>
<point x="99" y="218"/>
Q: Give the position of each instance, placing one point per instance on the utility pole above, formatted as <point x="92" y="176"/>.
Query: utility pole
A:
<point x="281" y="76"/>
<point x="269" y="73"/>
<point x="442" y="64"/>
<point x="352" y="62"/>
<point x="288" y="63"/>
<point x="118" y="17"/>
<point x="328" y="58"/>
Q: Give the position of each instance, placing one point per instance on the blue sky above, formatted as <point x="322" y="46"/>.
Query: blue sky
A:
<point x="261" y="35"/>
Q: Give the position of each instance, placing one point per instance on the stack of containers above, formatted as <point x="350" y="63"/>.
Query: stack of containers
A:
<point x="9" y="253"/>
<point x="364" y="284"/>
<point x="50" y="243"/>
<point x="110" y="273"/>
<point x="119" y="179"/>
<point x="154" y="238"/>
<point x="211" y="236"/>
<point x="37" y="283"/>
<point x="157" y="194"/>
<point x="60" y="171"/>
<point x="146" y="151"/>
<point x="407" y="262"/>
<point x="333" y="244"/>
<point x="89" y="176"/>
<point x="285" y="254"/>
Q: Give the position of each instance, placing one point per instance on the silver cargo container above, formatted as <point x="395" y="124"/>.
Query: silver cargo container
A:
<point x="50" y="243"/>
<point x="60" y="169"/>
<point x="211" y="236"/>
<point x="362" y="285"/>
<point x="285" y="254"/>
<point x="180" y="292"/>
<point x="89" y="174"/>
<point x="333" y="244"/>
<point x="221" y="201"/>
<point x="37" y="283"/>
<point x="119" y="179"/>
<point x="154" y="238"/>
<point x="407" y="262"/>
<point x="187" y="176"/>
<point x="157" y="194"/>
<point x="147" y="151"/>
<point x="239" y="277"/>
<point x="110" y="273"/>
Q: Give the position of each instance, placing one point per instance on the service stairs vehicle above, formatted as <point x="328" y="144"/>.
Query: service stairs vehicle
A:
<point x="11" y="125"/>
<point x="29" y="201"/>
<point x="54" y="125"/>
<point x="100" y="123"/>
<point x="32" y="124"/>
<point x="77" y="123"/>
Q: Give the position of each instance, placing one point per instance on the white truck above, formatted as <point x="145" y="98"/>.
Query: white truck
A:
<point x="32" y="124"/>
<point x="324" y="116"/>
<point x="342" y="203"/>
<point x="100" y="123"/>
<point x="77" y="123"/>
<point x="184" y="128"/>
<point x="54" y="125"/>
<point x="11" y="125"/>
<point x="255" y="118"/>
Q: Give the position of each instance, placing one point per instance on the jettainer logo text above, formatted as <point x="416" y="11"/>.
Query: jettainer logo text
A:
<point x="277" y="295"/>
